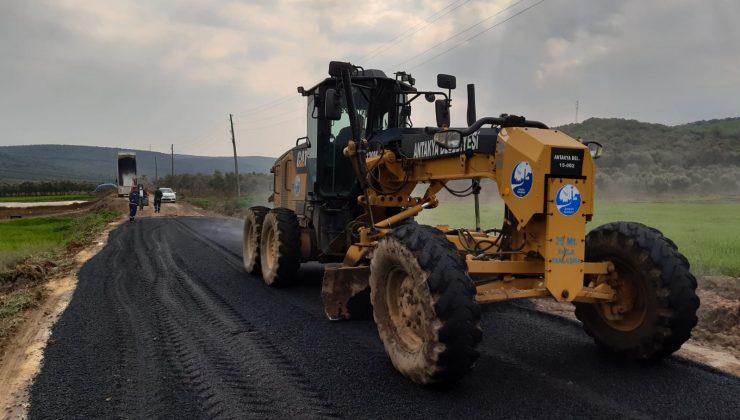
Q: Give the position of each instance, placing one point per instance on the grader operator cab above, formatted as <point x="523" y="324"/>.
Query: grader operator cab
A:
<point x="345" y="196"/>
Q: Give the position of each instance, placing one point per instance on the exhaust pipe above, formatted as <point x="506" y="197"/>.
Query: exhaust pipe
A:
<point x="471" y="104"/>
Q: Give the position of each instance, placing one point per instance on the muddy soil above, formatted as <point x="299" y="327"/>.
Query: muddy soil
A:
<point x="716" y="338"/>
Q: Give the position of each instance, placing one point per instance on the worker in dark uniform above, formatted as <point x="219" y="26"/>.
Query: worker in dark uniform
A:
<point x="133" y="203"/>
<point x="157" y="200"/>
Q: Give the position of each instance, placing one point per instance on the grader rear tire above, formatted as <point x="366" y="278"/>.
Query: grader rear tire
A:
<point x="656" y="293"/>
<point x="424" y="305"/>
<point x="280" y="247"/>
<point x="252" y="231"/>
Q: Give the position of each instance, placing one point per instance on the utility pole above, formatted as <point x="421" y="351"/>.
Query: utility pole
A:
<point x="236" y="165"/>
<point x="576" y="111"/>
<point x="156" y="174"/>
<point x="172" y="161"/>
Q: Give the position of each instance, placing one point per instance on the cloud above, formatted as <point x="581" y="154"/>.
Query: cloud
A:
<point x="130" y="73"/>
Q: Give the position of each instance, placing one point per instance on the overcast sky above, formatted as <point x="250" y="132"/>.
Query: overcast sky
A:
<point x="132" y="74"/>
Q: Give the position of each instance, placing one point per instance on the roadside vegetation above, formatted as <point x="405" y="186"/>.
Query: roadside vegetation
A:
<point x="706" y="231"/>
<point x="32" y="250"/>
<point x="644" y="161"/>
<point x="43" y="188"/>
<point x="217" y="192"/>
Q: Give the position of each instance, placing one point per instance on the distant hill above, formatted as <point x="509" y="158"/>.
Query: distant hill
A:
<point x="702" y="157"/>
<point x="98" y="164"/>
<point x="640" y="159"/>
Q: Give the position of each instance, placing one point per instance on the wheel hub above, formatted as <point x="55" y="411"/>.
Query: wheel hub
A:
<point x="271" y="250"/>
<point x="628" y="310"/>
<point x="406" y="310"/>
<point x="251" y="242"/>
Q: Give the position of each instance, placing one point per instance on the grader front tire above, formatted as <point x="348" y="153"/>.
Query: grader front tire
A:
<point x="251" y="239"/>
<point x="280" y="247"/>
<point x="656" y="293"/>
<point x="424" y="305"/>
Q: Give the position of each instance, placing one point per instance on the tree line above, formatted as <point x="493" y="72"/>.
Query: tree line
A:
<point x="30" y="188"/>
<point x="643" y="160"/>
<point x="218" y="184"/>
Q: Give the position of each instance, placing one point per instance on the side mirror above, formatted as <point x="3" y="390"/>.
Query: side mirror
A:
<point x="446" y="81"/>
<point x="443" y="113"/>
<point x="595" y="148"/>
<point x="448" y="139"/>
<point x="332" y="105"/>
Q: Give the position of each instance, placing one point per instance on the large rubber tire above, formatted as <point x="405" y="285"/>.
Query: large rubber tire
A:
<point x="663" y="290"/>
<point x="251" y="238"/>
<point x="424" y="305"/>
<point x="280" y="247"/>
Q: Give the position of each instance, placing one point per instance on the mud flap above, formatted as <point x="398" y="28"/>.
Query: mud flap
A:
<point x="345" y="292"/>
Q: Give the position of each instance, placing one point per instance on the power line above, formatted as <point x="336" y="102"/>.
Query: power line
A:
<point x="262" y="127"/>
<point x="478" y="34"/>
<point x="414" y="30"/>
<point x="435" y="16"/>
<point x="459" y="33"/>
<point x="200" y="137"/>
<point x="268" y="105"/>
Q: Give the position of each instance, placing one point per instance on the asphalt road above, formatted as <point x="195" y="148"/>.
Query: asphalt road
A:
<point x="165" y="323"/>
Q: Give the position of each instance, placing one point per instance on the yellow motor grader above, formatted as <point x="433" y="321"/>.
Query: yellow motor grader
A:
<point x="346" y="195"/>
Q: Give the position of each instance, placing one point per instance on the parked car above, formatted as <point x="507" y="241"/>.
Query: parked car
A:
<point x="168" y="196"/>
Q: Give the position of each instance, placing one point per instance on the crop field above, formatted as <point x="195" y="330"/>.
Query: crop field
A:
<point x="24" y="237"/>
<point x="707" y="232"/>
<point x="46" y="198"/>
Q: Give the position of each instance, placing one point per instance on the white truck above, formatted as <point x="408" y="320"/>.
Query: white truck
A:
<point x="126" y="172"/>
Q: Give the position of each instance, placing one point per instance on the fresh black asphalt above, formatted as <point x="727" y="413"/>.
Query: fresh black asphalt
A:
<point x="165" y="324"/>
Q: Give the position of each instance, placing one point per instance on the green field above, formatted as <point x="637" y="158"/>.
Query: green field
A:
<point x="707" y="233"/>
<point x="46" y="198"/>
<point x="23" y="238"/>
<point x="223" y="204"/>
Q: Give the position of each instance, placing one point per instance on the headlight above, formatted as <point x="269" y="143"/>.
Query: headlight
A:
<point x="448" y="139"/>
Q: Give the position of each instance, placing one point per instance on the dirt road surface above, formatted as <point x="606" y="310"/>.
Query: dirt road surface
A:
<point x="165" y="323"/>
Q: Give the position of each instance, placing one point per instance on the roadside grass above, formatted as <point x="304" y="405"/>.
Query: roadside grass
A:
<point x="708" y="233"/>
<point x="33" y="249"/>
<point x="46" y="237"/>
<point x="47" y="198"/>
<point x="12" y="307"/>
<point x="226" y="205"/>
<point x="23" y="238"/>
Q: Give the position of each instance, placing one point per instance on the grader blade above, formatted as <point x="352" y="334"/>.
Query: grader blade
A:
<point x="345" y="292"/>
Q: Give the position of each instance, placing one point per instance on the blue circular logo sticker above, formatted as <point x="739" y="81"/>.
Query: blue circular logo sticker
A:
<point x="568" y="200"/>
<point x="521" y="179"/>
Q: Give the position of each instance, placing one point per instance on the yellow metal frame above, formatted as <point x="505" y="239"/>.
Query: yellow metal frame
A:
<point x="538" y="227"/>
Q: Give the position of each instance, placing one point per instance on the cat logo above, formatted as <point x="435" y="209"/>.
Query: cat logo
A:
<point x="301" y="157"/>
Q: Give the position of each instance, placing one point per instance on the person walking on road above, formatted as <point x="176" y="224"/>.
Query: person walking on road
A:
<point x="157" y="200"/>
<point x="133" y="203"/>
<point x="142" y="197"/>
